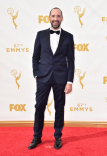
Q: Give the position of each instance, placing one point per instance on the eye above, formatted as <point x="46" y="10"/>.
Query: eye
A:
<point x="58" y="16"/>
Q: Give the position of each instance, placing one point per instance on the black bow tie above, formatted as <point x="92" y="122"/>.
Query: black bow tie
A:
<point x="57" y="32"/>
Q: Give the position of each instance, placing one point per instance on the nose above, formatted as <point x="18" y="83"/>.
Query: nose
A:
<point x="55" y="18"/>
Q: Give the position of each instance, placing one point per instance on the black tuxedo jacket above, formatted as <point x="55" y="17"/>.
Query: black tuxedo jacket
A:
<point x="61" y="63"/>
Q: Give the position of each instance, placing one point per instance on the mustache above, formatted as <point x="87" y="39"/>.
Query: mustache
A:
<point x="55" y="21"/>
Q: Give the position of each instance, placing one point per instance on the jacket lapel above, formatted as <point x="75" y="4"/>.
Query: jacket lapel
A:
<point x="61" y="39"/>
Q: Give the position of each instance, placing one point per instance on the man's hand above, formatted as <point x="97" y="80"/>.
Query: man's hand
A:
<point x="68" y="88"/>
<point x="36" y="78"/>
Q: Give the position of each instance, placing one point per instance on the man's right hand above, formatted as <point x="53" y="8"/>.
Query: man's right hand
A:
<point x="36" y="78"/>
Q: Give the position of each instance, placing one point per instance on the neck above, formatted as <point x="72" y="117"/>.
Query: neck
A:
<point x="55" y="29"/>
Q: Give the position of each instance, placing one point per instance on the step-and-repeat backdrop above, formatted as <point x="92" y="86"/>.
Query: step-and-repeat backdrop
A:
<point x="20" y="21"/>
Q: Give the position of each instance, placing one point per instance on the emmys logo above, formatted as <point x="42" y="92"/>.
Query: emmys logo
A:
<point x="45" y="19"/>
<point x="17" y="48"/>
<point x="106" y="99"/>
<point x="81" y="107"/>
<point x="11" y="11"/>
<point x="81" y="47"/>
<point x="14" y="73"/>
<point x="48" y="105"/>
<point x="78" y="72"/>
<point x="77" y="9"/>
<point x="18" y="107"/>
<point x="104" y="79"/>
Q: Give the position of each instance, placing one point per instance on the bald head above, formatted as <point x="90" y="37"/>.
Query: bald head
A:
<point x="57" y="9"/>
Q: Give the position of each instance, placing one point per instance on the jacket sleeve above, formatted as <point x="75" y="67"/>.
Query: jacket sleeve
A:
<point x="71" y="59"/>
<point x="36" y="54"/>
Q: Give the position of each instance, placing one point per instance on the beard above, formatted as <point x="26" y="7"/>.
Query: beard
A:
<point x="55" y="26"/>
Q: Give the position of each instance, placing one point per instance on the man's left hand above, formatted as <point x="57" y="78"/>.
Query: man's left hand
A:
<point x="68" y="88"/>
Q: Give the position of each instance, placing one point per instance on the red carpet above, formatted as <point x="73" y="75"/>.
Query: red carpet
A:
<point x="14" y="141"/>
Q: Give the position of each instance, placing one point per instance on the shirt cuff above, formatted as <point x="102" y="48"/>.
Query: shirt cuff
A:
<point x="35" y="76"/>
<point x="69" y="82"/>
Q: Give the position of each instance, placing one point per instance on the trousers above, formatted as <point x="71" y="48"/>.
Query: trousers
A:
<point x="42" y="93"/>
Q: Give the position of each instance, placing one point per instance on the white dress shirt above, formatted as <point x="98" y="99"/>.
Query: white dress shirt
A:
<point x="54" y="40"/>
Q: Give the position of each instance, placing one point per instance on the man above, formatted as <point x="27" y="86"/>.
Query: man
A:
<point x="53" y="66"/>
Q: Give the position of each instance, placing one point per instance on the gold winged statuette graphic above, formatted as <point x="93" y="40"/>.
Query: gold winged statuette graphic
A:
<point x="78" y="72"/>
<point x="48" y="105"/>
<point x="78" y="9"/>
<point x="14" y="73"/>
<point x="11" y="11"/>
